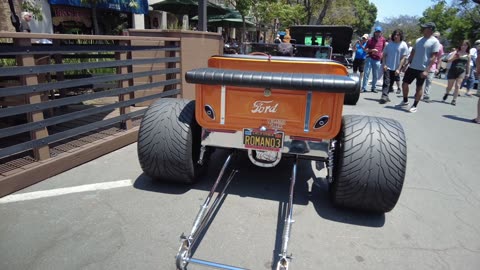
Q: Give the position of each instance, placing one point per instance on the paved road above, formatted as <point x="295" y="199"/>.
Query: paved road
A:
<point x="435" y="225"/>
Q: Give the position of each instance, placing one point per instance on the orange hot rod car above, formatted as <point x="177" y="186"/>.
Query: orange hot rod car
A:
<point x="271" y="108"/>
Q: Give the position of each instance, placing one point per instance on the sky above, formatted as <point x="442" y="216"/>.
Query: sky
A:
<point x="395" y="8"/>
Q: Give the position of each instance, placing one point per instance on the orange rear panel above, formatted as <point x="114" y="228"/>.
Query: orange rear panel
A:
<point x="279" y="109"/>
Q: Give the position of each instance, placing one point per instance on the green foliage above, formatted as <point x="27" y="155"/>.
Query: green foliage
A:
<point x="408" y="24"/>
<point x="365" y="14"/>
<point x="340" y="13"/>
<point x="458" y="21"/>
<point x="266" y="11"/>
<point x="360" y="14"/>
<point x="7" y="62"/>
<point x="441" y="14"/>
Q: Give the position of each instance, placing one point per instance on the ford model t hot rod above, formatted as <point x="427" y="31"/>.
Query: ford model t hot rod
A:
<point x="271" y="108"/>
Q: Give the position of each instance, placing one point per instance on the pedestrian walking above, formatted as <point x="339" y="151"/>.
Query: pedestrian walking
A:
<point x="433" y="70"/>
<point x="477" y="119"/>
<point x="457" y="72"/>
<point x="374" y="49"/>
<point x="394" y="56"/>
<point x="469" y="79"/>
<point x="360" y="56"/>
<point x="421" y="59"/>
<point x="24" y="23"/>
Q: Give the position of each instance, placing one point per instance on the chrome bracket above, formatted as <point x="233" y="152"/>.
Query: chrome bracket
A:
<point x="330" y="160"/>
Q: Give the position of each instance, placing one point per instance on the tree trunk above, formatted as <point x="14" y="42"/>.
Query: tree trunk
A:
<point x="324" y="11"/>
<point x="5" y="13"/>
<point x="96" y="29"/>
<point x="308" y="9"/>
<point x="244" y="31"/>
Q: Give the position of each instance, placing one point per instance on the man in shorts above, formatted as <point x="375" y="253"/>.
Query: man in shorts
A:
<point x="423" y="56"/>
<point x="434" y="70"/>
<point x="360" y="55"/>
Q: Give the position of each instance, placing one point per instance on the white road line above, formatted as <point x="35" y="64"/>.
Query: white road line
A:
<point x="62" y="191"/>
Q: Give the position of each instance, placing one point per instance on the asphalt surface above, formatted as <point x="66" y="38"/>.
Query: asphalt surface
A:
<point x="435" y="225"/>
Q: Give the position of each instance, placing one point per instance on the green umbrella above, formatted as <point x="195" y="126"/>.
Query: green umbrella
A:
<point x="230" y="22"/>
<point x="232" y="19"/>
<point x="189" y="7"/>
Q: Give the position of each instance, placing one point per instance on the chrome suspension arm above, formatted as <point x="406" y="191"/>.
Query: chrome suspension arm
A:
<point x="183" y="257"/>
<point x="285" y="259"/>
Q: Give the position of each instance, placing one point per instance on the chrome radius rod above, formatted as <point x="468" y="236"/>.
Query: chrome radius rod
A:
<point x="183" y="257"/>
<point x="285" y="259"/>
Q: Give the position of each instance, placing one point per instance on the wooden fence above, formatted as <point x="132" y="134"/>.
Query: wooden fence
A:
<point x="65" y="103"/>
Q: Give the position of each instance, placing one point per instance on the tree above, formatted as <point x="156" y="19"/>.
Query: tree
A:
<point x="408" y="24"/>
<point x="360" y="14"/>
<point x="266" y="11"/>
<point x="366" y="15"/>
<point x="441" y="14"/>
<point x="243" y="7"/>
<point x="323" y="12"/>
<point x="94" y="3"/>
<point x="457" y="21"/>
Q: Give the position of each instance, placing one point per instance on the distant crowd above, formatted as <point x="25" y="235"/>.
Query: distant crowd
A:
<point x="392" y="57"/>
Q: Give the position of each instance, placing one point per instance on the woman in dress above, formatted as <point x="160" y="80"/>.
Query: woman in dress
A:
<point x="460" y="66"/>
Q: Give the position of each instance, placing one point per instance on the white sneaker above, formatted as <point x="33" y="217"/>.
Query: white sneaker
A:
<point x="413" y="109"/>
<point x="402" y="104"/>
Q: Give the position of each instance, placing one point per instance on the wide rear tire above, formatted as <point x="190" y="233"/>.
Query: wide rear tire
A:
<point x="370" y="161"/>
<point x="169" y="141"/>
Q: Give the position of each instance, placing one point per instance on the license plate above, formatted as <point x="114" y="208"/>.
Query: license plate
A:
<point x="263" y="140"/>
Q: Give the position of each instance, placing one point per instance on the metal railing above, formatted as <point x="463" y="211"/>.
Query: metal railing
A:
<point x="36" y="79"/>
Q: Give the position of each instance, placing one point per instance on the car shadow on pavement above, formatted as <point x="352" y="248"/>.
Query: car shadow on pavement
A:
<point x="462" y="119"/>
<point x="320" y="198"/>
<point x="269" y="184"/>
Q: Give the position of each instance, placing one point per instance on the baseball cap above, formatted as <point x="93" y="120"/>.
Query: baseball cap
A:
<point x="365" y="36"/>
<point x="430" y="25"/>
<point x="436" y="34"/>
<point x="378" y="29"/>
<point x="477" y="42"/>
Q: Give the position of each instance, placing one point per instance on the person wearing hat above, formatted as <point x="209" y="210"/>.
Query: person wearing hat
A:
<point x="360" y="55"/>
<point x="422" y="58"/>
<point x="374" y="49"/>
<point x="285" y="48"/>
<point x="433" y="70"/>
<point x="469" y="80"/>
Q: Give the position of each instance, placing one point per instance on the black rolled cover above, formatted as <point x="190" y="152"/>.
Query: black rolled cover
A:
<point x="290" y="81"/>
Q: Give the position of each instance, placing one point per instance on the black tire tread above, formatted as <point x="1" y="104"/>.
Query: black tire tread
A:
<point x="165" y="140"/>
<point x="370" y="163"/>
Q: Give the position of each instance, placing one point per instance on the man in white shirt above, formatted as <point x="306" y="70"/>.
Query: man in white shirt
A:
<point x="470" y="78"/>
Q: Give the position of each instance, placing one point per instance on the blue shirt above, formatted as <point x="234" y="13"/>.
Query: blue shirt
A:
<point x="360" y="54"/>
